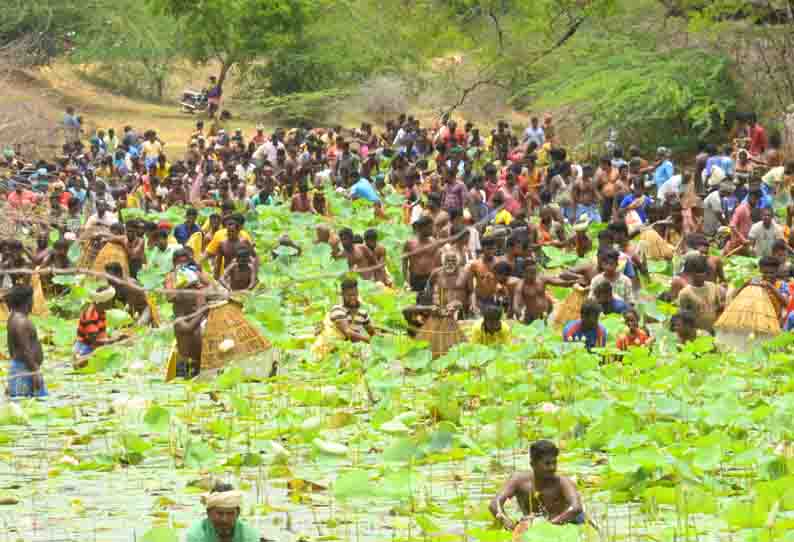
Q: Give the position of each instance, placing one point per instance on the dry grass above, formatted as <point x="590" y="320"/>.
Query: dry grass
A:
<point x="62" y="86"/>
<point x="51" y="89"/>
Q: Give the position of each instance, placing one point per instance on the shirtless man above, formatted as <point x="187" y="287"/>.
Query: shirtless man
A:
<point x="59" y="255"/>
<point x="420" y="255"/>
<point x="507" y="285"/>
<point x="42" y="252"/>
<point x="716" y="272"/>
<point x="190" y="310"/>
<point x="242" y="274"/>
<point x="447" y="294"/>
<point x="231" y="246"/>
<point x="136" y="247"/>
<point x="359" y="258"/>
<point x="584" y="197"/>
<point x="379" y="253"/>
<point x="540" y="491"/>
<point x="439" y="217"/>
<point x="324" y="235"/>
<point x="301" y="202"/>
<point x="516" y="252"/>
<point x="606" y="178"/>
<point x="479" y="276"/>
<point x="24" y="347"/>
<point x="531" y="301"/>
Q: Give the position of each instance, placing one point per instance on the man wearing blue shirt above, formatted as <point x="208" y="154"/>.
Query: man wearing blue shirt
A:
<point x="722" y="161"/>
<point x="588" y="328"/>
<point x="637" y="201"/>
<point x="767" y="198"/>
<point x="664" y="170"/>
<point x="609" y="303"/>
<point x="363" y="189"/>
<point x="183" y="232"/>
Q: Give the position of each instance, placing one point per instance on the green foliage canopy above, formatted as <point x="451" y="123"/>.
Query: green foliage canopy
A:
<point x="128" y="34"/>
<point x="237" y="32"/>
<point x="622" y="82"/>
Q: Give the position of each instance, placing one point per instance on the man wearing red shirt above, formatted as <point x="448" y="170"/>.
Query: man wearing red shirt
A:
<point x="20" y="197"/>
<point x="758" y="140"/>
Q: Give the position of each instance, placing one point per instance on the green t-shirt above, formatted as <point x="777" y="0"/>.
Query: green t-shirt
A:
<point x="203" y="531"/>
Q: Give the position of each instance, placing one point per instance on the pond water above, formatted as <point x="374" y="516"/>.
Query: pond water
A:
<point x="88" y="467"/>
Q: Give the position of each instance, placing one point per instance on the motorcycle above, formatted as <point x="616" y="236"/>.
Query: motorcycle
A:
<point x="194" y="102"/>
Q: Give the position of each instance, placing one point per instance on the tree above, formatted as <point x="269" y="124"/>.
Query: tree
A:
<point x="129" y="33"/>
<point x="619" y="81"/>
<point x="43" y="24"/>
<point x="235" y="33"/>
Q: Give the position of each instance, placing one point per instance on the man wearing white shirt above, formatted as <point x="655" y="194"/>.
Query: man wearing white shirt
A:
<point x="671" y="186"/>
<point x="101" y="218"/>
<point x="763" y="234"/>
<point x="267" y="151"/>
<point x="534" y="132"/>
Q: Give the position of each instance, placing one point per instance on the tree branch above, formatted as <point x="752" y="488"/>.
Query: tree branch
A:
<point x="499" y="32"/>
<point x="565" y="37"/>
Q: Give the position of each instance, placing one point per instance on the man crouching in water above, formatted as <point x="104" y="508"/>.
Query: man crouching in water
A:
<point x="540" y="491"/>
<point x="223" y="523"/>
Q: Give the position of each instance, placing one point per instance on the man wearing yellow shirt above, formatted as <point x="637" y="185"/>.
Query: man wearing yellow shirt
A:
<point x="222" y="235"/>
<point x="491" y="330"/>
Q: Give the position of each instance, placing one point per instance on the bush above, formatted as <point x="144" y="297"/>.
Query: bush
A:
<point x="302" y="108"/>
<point x="384" y="95"/>
<point x="649" y="96"/>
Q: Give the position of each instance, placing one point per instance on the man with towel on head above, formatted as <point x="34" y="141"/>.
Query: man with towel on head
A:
<point x="223" y="523"/>
<point x="92" y="329"/>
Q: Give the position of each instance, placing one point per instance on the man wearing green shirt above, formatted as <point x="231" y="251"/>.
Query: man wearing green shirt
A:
<point x="223" y="523"/>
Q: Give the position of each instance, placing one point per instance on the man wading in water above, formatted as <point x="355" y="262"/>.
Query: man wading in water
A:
<point x="540" y="491"/>
<point x="223" y="523"/>
<point x="191" y="312"/>
<point x="24" y="348"/>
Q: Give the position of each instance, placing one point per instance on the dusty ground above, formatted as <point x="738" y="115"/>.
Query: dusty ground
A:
<point x="43" y="94"/>
<point x="51" y="89"/>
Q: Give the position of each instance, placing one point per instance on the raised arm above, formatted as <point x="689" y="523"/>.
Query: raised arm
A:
<point x="517" y="306"/>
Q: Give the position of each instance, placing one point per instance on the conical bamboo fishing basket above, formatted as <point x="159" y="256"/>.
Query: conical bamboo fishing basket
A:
<point x="752" y="311"/>
<point x="110" y="253"/>
<point x="570" y="308"/>
<point x="653" y="247"/>
<point x="227" y="322"/>
<point x="39" y="301"/>
<point x="88" y="254"/>
<point x="442" y="332"/>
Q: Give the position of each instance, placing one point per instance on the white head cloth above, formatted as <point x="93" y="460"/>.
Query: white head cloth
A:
<point x="104" y="295"/>
<point x="223" y="499"/>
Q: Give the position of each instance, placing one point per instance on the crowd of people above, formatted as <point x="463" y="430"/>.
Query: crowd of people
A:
<point x="486" y="207"/>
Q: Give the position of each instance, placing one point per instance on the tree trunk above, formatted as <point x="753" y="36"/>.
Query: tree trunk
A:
<point x="225" y="67"/>
<point x="160" y="87"/>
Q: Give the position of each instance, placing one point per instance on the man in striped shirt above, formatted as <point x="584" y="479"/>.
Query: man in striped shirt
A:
<point x="348" y="318"/>
<point x="92" y="328"/>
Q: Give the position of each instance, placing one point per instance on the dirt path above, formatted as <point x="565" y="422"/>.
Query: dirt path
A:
<point x="51" y="89"/>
